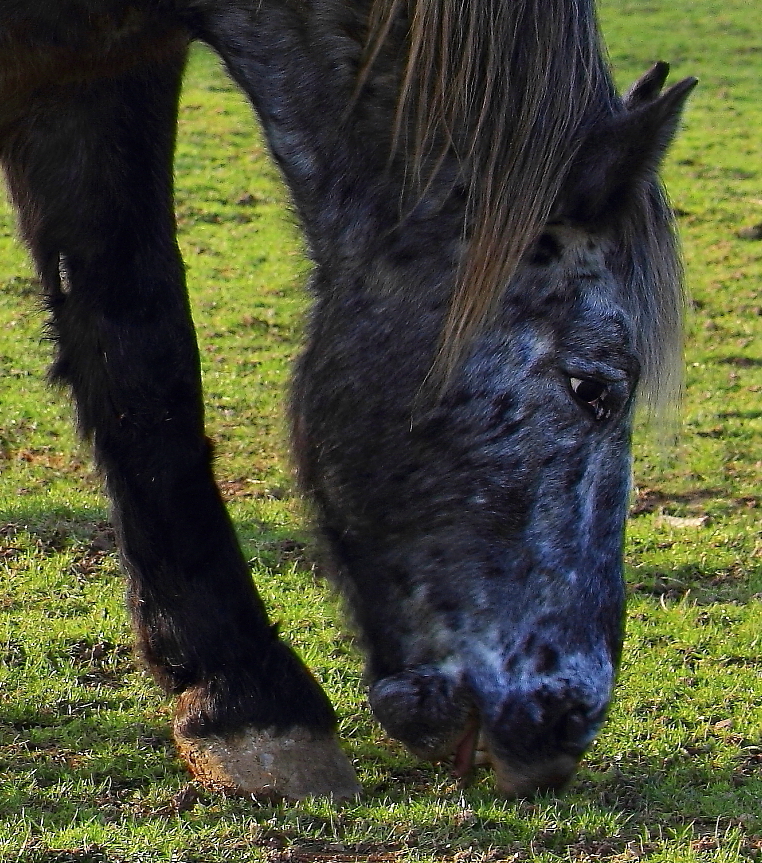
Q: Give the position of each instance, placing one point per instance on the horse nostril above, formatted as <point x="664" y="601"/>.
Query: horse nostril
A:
<point x="575" y="729"/>
<point x="575" y="722"/>
<point x="423" y="708"/>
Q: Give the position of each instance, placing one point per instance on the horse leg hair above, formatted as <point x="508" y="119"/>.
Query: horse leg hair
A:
<point x="89" y="167"/>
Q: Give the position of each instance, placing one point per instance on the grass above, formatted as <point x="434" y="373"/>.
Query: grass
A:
<point x="87" y="771"/>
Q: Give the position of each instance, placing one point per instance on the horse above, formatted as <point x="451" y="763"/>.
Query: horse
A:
<point x="495" y="283"/>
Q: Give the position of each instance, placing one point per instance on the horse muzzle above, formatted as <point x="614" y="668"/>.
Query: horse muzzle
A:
<point x="533" y="739"/>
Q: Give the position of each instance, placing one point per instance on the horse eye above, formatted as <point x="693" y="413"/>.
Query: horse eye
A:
<point x="592" y="393"/>
<point x="587" y="391"/>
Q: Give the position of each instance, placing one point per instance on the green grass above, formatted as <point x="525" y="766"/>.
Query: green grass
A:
<point x="87" y="771"/>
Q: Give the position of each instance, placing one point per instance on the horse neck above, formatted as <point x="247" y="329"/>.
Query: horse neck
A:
<point x="298" y="68"/>
<point x="360" y="159"/>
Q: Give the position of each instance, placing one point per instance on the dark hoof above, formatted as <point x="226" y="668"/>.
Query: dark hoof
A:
<point x="293" y="764"/>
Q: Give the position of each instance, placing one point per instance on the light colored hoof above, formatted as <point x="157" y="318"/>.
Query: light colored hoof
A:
<point x="294" y="764"/>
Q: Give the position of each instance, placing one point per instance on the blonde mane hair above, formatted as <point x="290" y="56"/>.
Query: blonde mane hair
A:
<point x="508" y="87"/>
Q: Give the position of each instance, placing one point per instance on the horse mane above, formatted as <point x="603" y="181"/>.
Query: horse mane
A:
<point x="509" y="86"/>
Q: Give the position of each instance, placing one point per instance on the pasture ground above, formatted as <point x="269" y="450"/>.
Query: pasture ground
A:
<point x="87" y="770"/>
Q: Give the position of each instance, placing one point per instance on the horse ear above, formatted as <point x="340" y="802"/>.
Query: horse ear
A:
<point x="623" y="152"/>
<point x="647" y="87"/>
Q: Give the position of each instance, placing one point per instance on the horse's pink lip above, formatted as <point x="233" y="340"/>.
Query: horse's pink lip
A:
<point x="466" y="750"/>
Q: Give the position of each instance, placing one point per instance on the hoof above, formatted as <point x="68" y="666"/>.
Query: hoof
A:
<point x="293" y="764"/>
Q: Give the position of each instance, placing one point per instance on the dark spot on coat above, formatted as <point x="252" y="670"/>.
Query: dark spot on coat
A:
<point x="546" y="250"/>
<point x="547" y="661"/>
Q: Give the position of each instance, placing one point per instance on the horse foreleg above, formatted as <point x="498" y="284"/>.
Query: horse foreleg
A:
<point x="89" y="168"/>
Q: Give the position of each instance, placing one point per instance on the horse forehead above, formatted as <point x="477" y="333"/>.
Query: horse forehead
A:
<point x="576" y="240"/>
<point x="566" y="267"/>
<point x="582" y="272"/>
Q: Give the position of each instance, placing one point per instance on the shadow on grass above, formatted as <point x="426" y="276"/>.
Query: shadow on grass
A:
<point x="75" y="761"/>
<point x="607" y="814"/>
<point x="696" y="583"/>
<point x="57" y="525"/>
<point x="696" y="501"/>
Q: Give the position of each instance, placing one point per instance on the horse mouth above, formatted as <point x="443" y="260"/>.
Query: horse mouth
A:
<point x="550" y="777"/>
<point x="437" y="719"/>
<point x="465" y="756"/>
<point x="513" y="781"/>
